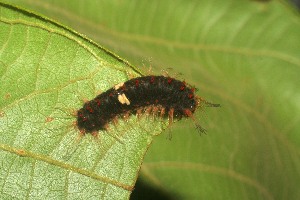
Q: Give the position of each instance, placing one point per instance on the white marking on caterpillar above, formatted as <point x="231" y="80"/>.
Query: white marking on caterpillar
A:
<point x="123" y="99"/>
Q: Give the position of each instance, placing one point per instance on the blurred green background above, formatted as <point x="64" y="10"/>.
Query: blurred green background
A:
<point x="242" y="54"/>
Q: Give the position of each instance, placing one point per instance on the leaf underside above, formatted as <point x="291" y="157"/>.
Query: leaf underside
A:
<point x="47" y="71"/>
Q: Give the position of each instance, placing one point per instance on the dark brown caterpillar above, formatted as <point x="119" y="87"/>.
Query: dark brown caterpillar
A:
<point x="161" y="95"/>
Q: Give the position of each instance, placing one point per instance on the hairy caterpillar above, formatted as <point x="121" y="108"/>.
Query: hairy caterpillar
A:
<point x="163" y="96"/>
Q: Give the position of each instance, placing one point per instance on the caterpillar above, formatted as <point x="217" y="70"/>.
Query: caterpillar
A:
<point x="163" y="96"/>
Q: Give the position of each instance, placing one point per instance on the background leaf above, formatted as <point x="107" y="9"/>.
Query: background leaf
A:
<point x="242" y="54"/>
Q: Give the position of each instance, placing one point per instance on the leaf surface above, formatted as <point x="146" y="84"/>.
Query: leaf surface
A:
<point x="46" y="73"/>
<point x="241" y="54"/>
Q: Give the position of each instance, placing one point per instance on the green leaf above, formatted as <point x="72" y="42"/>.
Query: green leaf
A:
<point x="239" y="53"/>
<point x="46" y="72"/>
